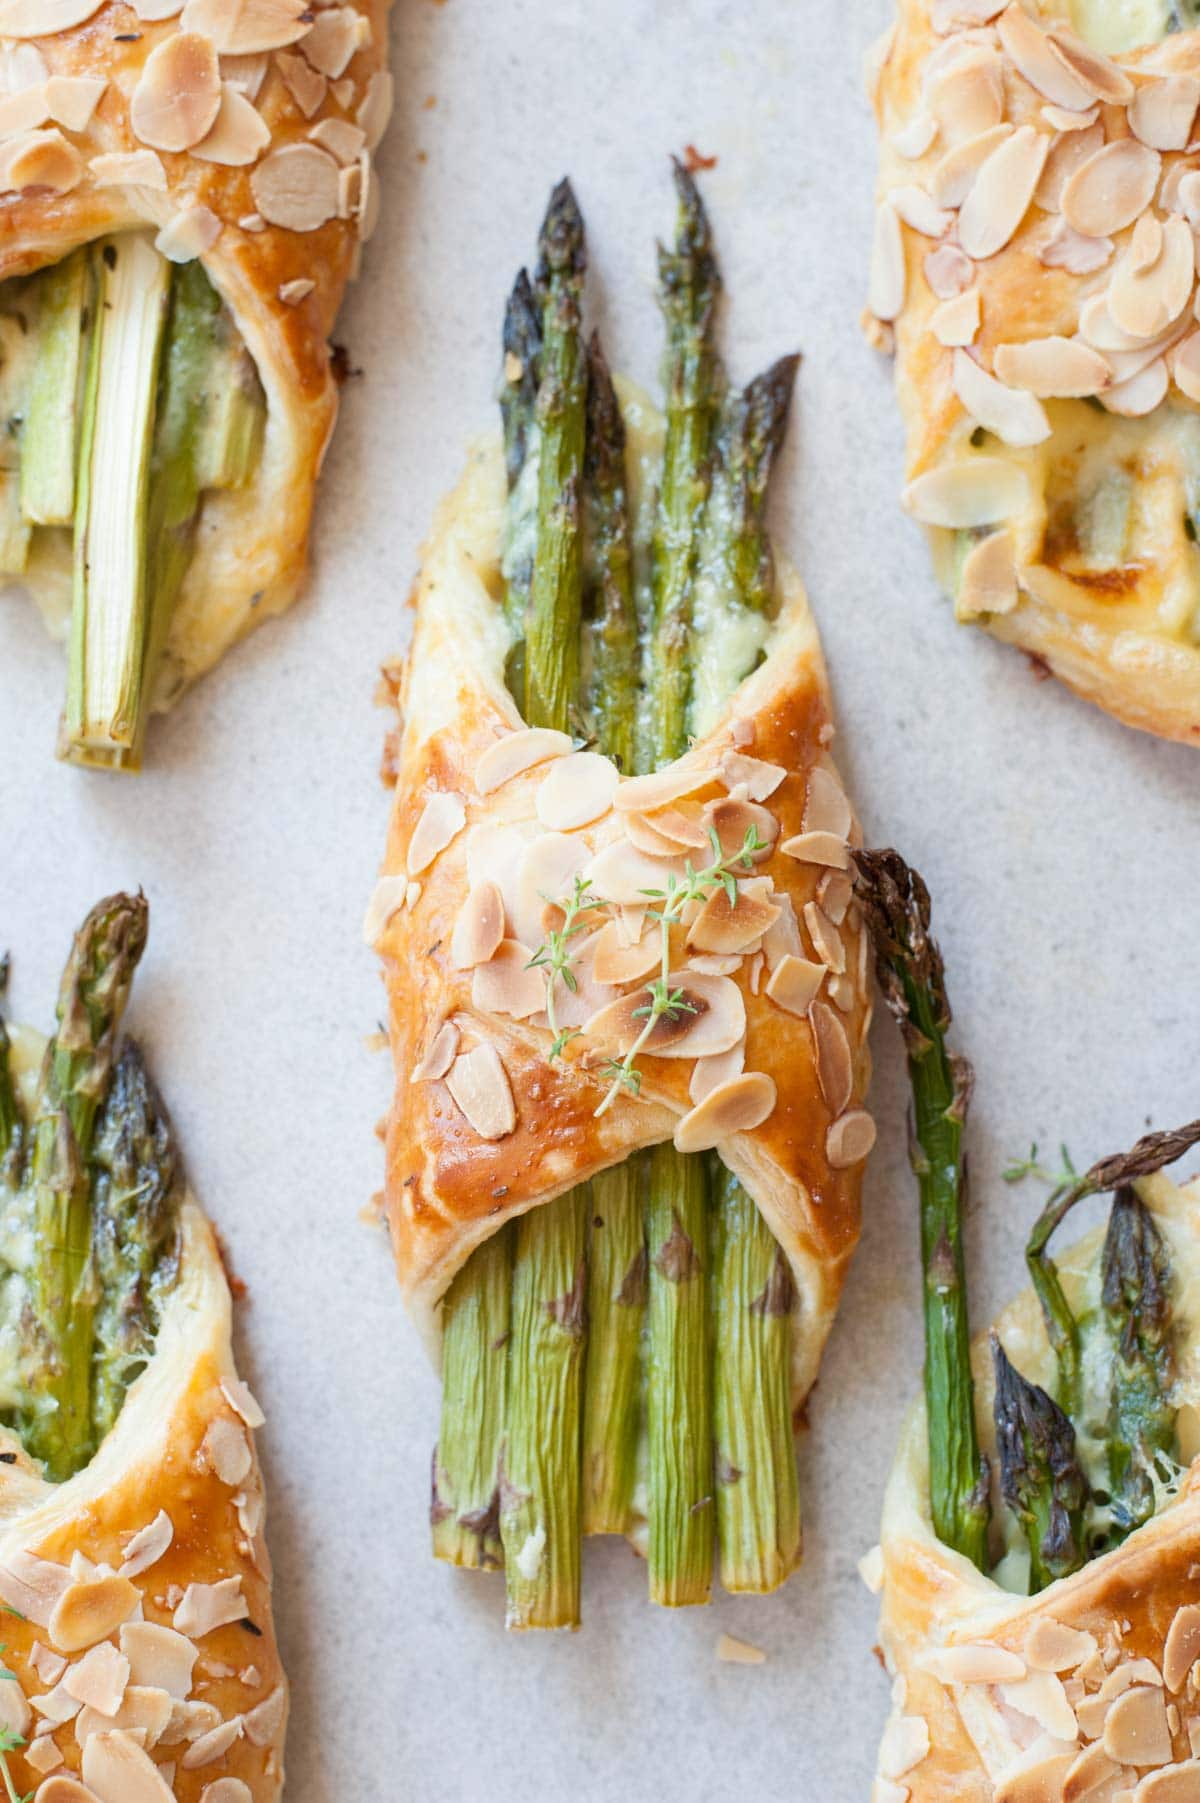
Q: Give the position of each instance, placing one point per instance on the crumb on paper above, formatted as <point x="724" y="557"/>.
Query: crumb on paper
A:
<point x="694" y="160"/>
<point x="739" y="1652"/>
<point x="376" y="1042"/>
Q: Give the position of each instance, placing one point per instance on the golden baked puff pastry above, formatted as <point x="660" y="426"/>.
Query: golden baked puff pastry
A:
<point x="139" y="1649"/>
<point x="184" y="194"/>
<point x="1039" y="1564"/>
<point x="1034" y="269"/>
<point x="616" y="919"/>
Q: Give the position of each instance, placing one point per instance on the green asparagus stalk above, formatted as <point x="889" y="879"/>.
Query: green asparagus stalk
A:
<point x="12" y="1115"/>
<point x="750" y="435"/>
<point x="1041" y="1479"/>
<point x="107" y="688"/>
<point x="539" y="1495"/>
<point x="518" y="405"/>
<point x="612" y="1387"/>
<point x="688" y="286"/>
<point x="754" y="1298"/>
<point x="465" y="1507"/>
<point x="75" y="1079"/>
<point x="236" y="415"/>
<point x="135" y="1221"/>
<point x="613" y="626"/>
<point x="1136" y="1286"/>
<point x="678" y="1389"/>
<point x="65" y="304"/>
<point x="895" y="904"/>
<point x="556" y="583"/>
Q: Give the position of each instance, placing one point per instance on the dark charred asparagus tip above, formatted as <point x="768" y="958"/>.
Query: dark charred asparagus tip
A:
<point x="12" y="1118"/>
<point x="562" y="251"/>
<point x="522" y="351"/>
<point x="749" y="438"/>
<point x="1040" y="1477"/>
<point x="689" y="278"/>
<point x="1136" y="1274"/>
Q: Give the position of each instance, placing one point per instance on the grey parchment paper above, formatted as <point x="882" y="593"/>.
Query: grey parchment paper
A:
<point x="1063" y="852"/>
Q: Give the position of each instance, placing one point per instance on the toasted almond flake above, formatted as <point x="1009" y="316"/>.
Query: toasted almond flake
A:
<point x="576" y="790"/>
<point x="957" y="321"/>
<point x="1177" y="1784"/>
<point x="119" y="1771"/>
<point x="916" y="209"/>
<point x="794" y="983"/>
<point x="188" y="235"/>
<point x="871" y="1569"/>
<point x="479" y="1084"/>
<point x="292" y="293"/>
<point x="213" y="1745"/>
<point x="1162" y="110"/>
<point x="1036" y="1776"/>
<point x="333" y="40"/>
<point x="835" y="1066"/>
<point x="1126" y="1673"/>
<point x="1097" y="327"/>
<point x="226" y="1790"/>
<point x="42" y="18"/>
<point x="227" y="1450"/>
<point x="715" y="964"/>
<point x="1182" y="1647"/>
<point x="1051" y="1646"/>
<point x="1071" y="250"/>
<point x="1139" y="394"/>
<point x="1090" y="1777"/>
<point x="948" y="271"/>
<point x="710" y="1073"/>
<point x="178" y="95"/>
<point x="739" y="1652"/>
<point x="342" y="140"/>
<point x="621" y="873"/>
<point x="144" y="1715"/>
<point x="883" y="1790"/>
<point x="57" y="1705"/>
<point x="296" y="187"/>
<point x="849" y="1139"/>
<point x="988" y="584"/>
<point x="159" y="1658"/>
<point x="62" y="1788"/>
<point x="246" y="27"/>
<point x="613" y="961"/>
<point x="239" y="134"/>
<point x="507" y="985"/>
<point x="188" y="1721"/>
<point x="1135" y="1728"/>
<point x="99" y="1678"/>
<point x="644" y="835"/>
<point x="44" y="1754"/>
<point x="975" y="1663"/>
<point x="1051" y="367"/>
<point x="953" y="175"/>
<point x="967" y="97"/>
<point x="48" y="1666"/>
<point x="441" y="820"/>
<point x="32" y="1585"/>
<point x="736" y="1106"/>
<point x="547" y="872"/>
<point x="646" y="794"/>
<point x="479" y="926"/>
<point x="439" y="1055"/>
<point x="91" y="1611"/>
<point x="15" y="1713"/>
<point x="252" y="222"/>
<point x="818" y="848"/>
<point x="21" y="66"/>
<point x="1042" y="62"/>
<point x="1001" y="193"/>
<point x="387" y="898"/>
<point x="915" y="138"/>
<point x="134" y="168"/>
<point x="264" y="1722"/>
<point x="72" y="99"/>
<point x="1185" y="366"/>
<point x="147" y="1546"/>
<point x="1041" y="1696"/>
<point x="24" y="111"/>
<point x="516" y="753"/>
<point x="733" y="819"/>
<point x="672" y="826"/>
<point x="247" y="73"/>
<point x="712" y="1018"/>
<point x="887" y="282"/>
<point x="759" y="779"/>
<point x="827" y="941"/>
<point x="1067" y="153"/>
<point x="1061" y="118"/>
<point x="344" y="92"/>
<point x="305" y="84"/>
<point x="42" y="159"/>
<point x="1015" y="417"/>
<point x="1106" y="80"/>
<point x="826" y="809"/>
<point x="1151" y="285"/>
<point x="904" y="1745"/>
<point x="376" y="107"/>
<point x="724" y="927"/>
<point x="204" y="1607"/>
<point x="835" y="892"/>
<point x="782" y="937"/>
<point x="1109" y="190"/>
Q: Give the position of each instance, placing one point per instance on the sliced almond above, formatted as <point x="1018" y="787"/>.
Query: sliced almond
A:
<point x="24" y="111"/>
<point x="1061" y="118"/>
<point x="914" y="139"/>
<point x="1052" y="367"/>
<point x="239" y="135"/>
<point x="711" y="1019"/>
<point x="818" y="848"/>
<point x="99" y="1678"/>
<point x="1135" y="1728"/>
<point x="1041" y="61"/>
<point x="948" y="271"/>
<point x="835" y="892"/>
<point x="72" y="99"/>
<point x="615" y="961"/>
<point x="957" y="321"/>
<point x="440" y="822"/>
<point x="887" y="282"/>
<point x="135" y="168"/>
<point x="759" y="779"/>
<point x="1139" y="394"/>
<point x="1041" y="1696"/>
<point x="736" y="1106"/>
<point x="478" y="927"/>
<point x="1162" y="110"/>
<point x="1109" y="190"/>
<point x="782" y="937"/>
<point x="264" y="1722"/>
<point x="904" y="1745"/>
<point x="826" y="809"/>
<point x="1001" y="193"/>
<point x="709" y="1073"/>
<point x="247" y="73"/>
<point x="642" y="833"/>
<point x="826" y="940"/>
<point x="387" y="898"/>
<point x="516" y="753"/>
<point x="545" y="878"/>
<point x="178" y="94"/>
<point x="1035" y="1778"/>
<point x="980" y="492"/>
<point x="919" y="211"/>
<point x="967" y="97"/>
<point x="245" y="27"/>
<point x="1068" y="151"/>
<point x="576" y="790"/>
<point x="1185" y="366"/>
<point x="734" y="822"/>
<point x="988" y="584"/>
<point x="42" y="18"/>
<point x="975" y="1663"/>
<point x="1177" y="1784"/>
<point x="376" y="108"/>
<point x="479" y="1084"/>
<point x="187" y="236"/>
<point x="43" y="1754"/>
<point x="439" y="1055"/>
<point x="90" y="1611"/>
<point x="296" y="186"/>
<point x="849" y="1139"/>
<point x="205" y="1607"/>
<point x="507" y="984"/>
<point x="722" y="926"/>
<point x="835" y="1066"/>
<point x="117" y="1770"/>
<point x="1146" y="294"/>
<point x="794" y="983"/>
<point x="1051" y="1646"/>
<point x="1015" y="417"/>
<point x="645" y="794"/>
<point x="341" y="139"/>
<point x="621" y="873"/>
<point x="334" y="38"/>
<point x="953" y="176"/>
<point x="1092" y="1778"/>
<point x="42" y="159"/>
<point x="227" y="1450"/>
<point x="206" y="1749"/>
<point x="715" y="964"/>
<point x="682" y="831"/>
<point x="1182" y="1648"/>
<point x="1068" y="249"/>
<point x="1106" y="79"/>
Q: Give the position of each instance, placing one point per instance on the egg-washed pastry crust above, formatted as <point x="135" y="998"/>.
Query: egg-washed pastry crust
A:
<point x="165" y="1527"/>
<point x="1034" y="270"/>
<point x="993" y="1702"/>
<point x="448" y="1187"/>
<point x="242" y="131"/>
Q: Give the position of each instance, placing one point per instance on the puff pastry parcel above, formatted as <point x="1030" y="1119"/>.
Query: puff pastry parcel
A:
<point x="503" y="833"/>
<point x="194" y="183"/>
<point x="139" y="1649"/>
<point x="1034" y="268"/>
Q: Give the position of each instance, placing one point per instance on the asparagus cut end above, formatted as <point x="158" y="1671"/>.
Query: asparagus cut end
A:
<point x="464" y="1509"/>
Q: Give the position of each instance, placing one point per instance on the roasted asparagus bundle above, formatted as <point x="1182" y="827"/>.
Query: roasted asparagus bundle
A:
<point x="627" y="1358"/>
<point x="1042" y="1505"/>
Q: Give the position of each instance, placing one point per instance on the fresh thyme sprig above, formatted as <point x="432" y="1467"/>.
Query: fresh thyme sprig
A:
<point x="11" y="1742"/>
<point x="554" y="956"/>
<point x="1018" y="1169"/>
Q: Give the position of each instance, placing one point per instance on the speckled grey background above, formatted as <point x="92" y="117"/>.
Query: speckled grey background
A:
<point x="1063" y="852"/>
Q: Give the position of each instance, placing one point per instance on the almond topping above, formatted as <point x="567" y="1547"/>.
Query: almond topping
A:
<point x="333" y="40"/>
<point x="948" y="271"/>
<point x="716" y="964"/>
<point x="1162" y="110"/>
<point x="442" y="819"/>
<point x="178" y="95"/>
<point x="24" y="111"/>
<point x="296" y="187"/>
<point x="818" y="848"/>
<point x="968" y="97"/>
<point x="794" y="983"/>
<point x="1066" y="155"/>
<point x="204" y="1607"/>
<point x="905" y="1744"/>
<point x="827" y="941"/>
<point x="1034" y="1778"/>
<point x="759" y="779"/>
<point x="1107" y="193"/>
<point x="1070" y="250"/>
<point x="888" y="278"/>
<point x="1052" y="367"/>
<point x="576" y="790"/>
<point x="826" y="809"/>
<point x="43" y="1754"/>
<point x="737" y="1106"/>
<point x="671" y="826"/>
<point x="376" y="108"/>
<point x="517" y="752"/>
<point x="147" y="1546"/>
<point x="207" y="1748"/>
<point x="1105" y="78"/>
<point x="99" y="1678"/>
<point x="733" y="820"/>
<point x="1177" y="1784"/>
<point x="292" y="293"/>
<point x="479" y="927"/>
<point x="1135" y="1728"/>
<point x="188" y="235"/>
<point x="226" y="1790"/>
<point x="950" y="182"/>
<point x="341" y="139"/>
<point x="782" y="938"/>
<point x="43" y="159"/>
<point x="507" y="985"/>
<point x="265" y="1720"/>
<point x="721" y="1067"/>
<point x="1185" y="366"/>
<point x="914" y="139"/>
<point x="1050" y="1646"/>
<point x="387" y="898"/>
<point x="306" y="85"/>
<point x="1014" y="416"/>
<point x="957" y="321"/>
<point x="1182" y="1647"/>
<point x="72" y="99"/>
<point x="439" y="1055"/>
<point x="724" y="927"/>
<point x="849" y="1139"/>
<point x="1139" y="394"/>
<point x="42" y="18"/>
<point x="622" y="873"/>
<point x="835" y="892"/>
<point x="613" y="961"/>
<point x="1148" y="290"/>
<point x="479" y="1084"/>
<point x="1001" y="192"/>
<point x="1041" y="61"/>
<point x="645" y="794"/>
<point x="645" y="837"/>
<point x="118" y="1771"/>
<point x="1042" y="1697"/>
<point x="227" y="1450"/>
<point x="739" y="1652"/>
<point x="159" y="1658"/>
<point x="239" y="134"/>
<point x="62" y="1788"/>
<point x="547" y="871"/>
<point x="979" y="493"/>
<point x="1091" y="1777"/>
<point x="90" y="1611"/>
<point x="988" y="584"/>
<point x="975" y="1664"/>
<point x="711" y="1018"/>
<point x="835" y="1068"/>
<point x="244" y="27"/>
<point x="918" y="210"/>
<point x="137" y="168"/>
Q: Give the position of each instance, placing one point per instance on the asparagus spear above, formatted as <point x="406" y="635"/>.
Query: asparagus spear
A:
<point x="758" y="1498"/>
<point x="555" y="590"/>
<point x="134" y="1225"/>
<point x="75" y="1078"/>
<point x="518" y="401"/>
<point x="465" y="1509"/>
<point x="65" y="302"/>
<point x="1040" y="1477"/>
<point x="895" y="904"/>
<point x="614" y="625"/>
<point x="1137" y="1308"/>
<point x="12" y="1115"/>
<point x="612" y="1384"/>
<point x="539" y="1494"/>
<point x="678" y="1388"/>
<point x="688" y="286"/>
<point x="749" y="438"/>
<point x="109" y="624"/>
<point x="236" y="414"/>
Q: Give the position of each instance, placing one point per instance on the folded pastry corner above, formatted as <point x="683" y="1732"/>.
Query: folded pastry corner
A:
<point x="139" y="1648"/>
<point x="182" y="205"/>
<point x="1034" y="271"/>
<point x="585" y="964"/>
